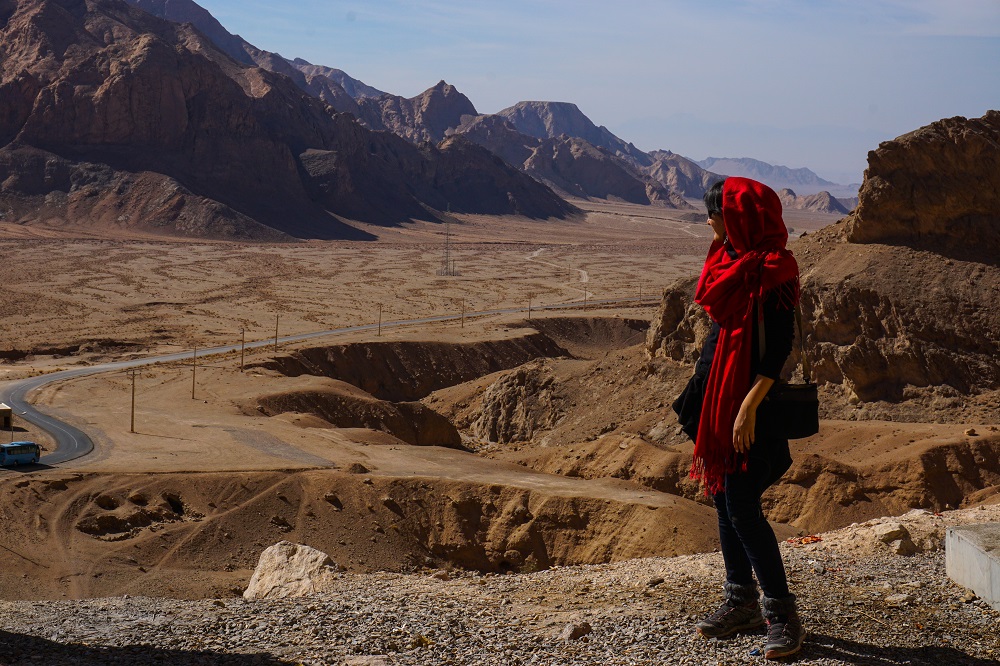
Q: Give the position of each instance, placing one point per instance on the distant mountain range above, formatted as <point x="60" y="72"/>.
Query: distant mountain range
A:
<point x="577" y="157"/>
<point x="801" y="180"/>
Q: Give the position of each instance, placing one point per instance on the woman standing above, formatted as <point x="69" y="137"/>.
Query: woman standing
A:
<point x="749" y="282"/>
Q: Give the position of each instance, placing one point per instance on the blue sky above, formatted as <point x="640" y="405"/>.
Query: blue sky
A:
<point x="798" y="83"/>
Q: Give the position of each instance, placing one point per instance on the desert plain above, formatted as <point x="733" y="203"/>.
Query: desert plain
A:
<point x="73" y="300"/>
<point x="493" y="443"/>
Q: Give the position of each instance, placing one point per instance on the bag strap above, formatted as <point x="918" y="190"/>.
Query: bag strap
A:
<point x="806" y="369"/>
<point x="762" y="344"/>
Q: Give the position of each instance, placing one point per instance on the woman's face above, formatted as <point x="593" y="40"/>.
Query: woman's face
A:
<point x="718" y="226"/>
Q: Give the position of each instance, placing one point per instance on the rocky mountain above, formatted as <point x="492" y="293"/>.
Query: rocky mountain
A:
<point x="426" y="117"/>
<point x="679" y="174"/>
<point x="778" y="177"/>
<point x="821" y="202"/>
<point x="579" y="168"/>
<point x="112" y="117"/>
<point x="440" y="110"/>
<point x="417" y="119"/>
<point x="353" y="87"/>
<point x="548" y="120"/>
<point x="899" y="298"/>
<point x="567" y="164"/>
<point x="333" y="86"/>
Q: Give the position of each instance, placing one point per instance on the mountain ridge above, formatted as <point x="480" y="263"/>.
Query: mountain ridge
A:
<point x="110" y="116"/>
<point x="802" y="180"/>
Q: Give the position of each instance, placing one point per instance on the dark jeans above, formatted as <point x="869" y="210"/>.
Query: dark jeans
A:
<point x="748" y="542"/>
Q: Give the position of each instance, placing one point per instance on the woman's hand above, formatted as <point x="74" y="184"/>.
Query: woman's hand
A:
<point x="743" y="428"/>
<point x="746" y="419"/>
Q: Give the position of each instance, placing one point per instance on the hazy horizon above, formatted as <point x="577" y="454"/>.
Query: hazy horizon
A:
<point x="814" y="86"/>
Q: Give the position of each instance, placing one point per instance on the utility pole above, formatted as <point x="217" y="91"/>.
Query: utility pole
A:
<point x="132" y="426"/>
<point x="463" y="313"/>
<point x="243" y="345"/>
<point x="584" y="298"/>
<point x="194" y="368"/>
<point x="530" y="296"/>
<point x="276" y="317"/>
<point x="379" y="319"/>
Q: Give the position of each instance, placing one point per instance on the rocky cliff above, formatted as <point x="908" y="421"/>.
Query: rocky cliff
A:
<point x="112" y="117"/>
<point x="938" y="185"/>
<point x="902" y="325"/>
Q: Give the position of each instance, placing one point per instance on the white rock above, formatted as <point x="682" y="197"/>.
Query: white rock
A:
<point x="891" y="531"/>
<point x="290" y="570"/>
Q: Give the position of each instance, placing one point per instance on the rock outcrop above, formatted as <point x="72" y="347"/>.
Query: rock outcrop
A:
<point x="517" y="406"/>
<point x="936" y="186"/>
<point x="902" y="325"/>
<point x="112" y="117"/>
<point x="290" y="570"/>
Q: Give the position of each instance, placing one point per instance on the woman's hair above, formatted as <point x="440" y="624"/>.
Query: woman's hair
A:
<point x="713" y="198"/>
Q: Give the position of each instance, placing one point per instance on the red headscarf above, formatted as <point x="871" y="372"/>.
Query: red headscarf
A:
<point x="729" y="290"/>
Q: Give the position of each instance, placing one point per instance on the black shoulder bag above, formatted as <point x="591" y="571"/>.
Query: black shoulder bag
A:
<point x="788" y="411"/>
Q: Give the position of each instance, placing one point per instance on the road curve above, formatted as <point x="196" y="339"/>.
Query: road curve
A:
<point x="72" y="443"/>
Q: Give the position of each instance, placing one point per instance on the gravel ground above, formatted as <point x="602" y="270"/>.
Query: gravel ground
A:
<point x="882" y="609"/>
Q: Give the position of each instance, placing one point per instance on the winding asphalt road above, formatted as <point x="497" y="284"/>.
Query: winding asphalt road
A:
<point x="73" y="443"/>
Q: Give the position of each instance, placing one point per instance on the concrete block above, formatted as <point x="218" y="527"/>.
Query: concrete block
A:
<point x="972" y="559"/>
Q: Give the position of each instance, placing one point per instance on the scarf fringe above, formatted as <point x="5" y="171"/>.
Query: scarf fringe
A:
<point x="712" y="477"/>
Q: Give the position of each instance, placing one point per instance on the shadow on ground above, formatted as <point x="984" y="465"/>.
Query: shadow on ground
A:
<point x="819" y="646"/>
<point x="20" y="650"/>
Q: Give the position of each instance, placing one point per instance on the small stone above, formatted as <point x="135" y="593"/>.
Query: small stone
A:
<point x="898" y="599"/>
<point x="969" y="597"/>
<point x="441" y="575"/>
<point x="575" y="631"/>
<point x="971" y="432"/>
<point x="653" y="582"/>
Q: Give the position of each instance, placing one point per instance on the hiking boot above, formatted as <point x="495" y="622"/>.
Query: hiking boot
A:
<point x="739" y="612"/>
<point x="784" y="628"/>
